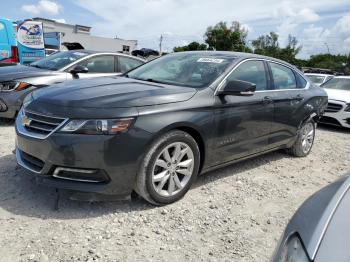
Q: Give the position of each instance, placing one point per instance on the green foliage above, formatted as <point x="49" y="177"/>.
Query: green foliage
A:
<point x="268" y="45"/>
<point x="340" y="63"/>
<point x="194" y="46"/>
<point x="227" y="38"/>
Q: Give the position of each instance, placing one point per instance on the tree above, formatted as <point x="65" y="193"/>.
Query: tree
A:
<point x="340" y="63"/>
<point x="268" y="45"/>
<point x="194" y="46"/>
<point x="224" y="38"/>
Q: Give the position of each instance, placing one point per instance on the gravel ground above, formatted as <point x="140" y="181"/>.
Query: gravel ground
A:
<point x="233" y="214"/>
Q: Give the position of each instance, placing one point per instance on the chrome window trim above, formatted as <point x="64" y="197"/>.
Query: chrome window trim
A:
<point x="100" y="54"/>
<point x="27" y="133"/>
<point x="222" y="82"/>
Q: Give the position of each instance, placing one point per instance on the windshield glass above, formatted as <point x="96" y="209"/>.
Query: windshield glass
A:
<point x="338" y="83"/>
<point x="184" y="69"/>
<point x="316" y="79"/>
<point x="59" y="60"/>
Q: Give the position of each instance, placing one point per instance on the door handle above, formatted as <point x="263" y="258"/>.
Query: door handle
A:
<point x="298" y="97"/>
<point x="267" y="100"/>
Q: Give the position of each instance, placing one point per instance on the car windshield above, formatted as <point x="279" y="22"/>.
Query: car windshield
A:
<point x="338" y="83"/>
<point x="184" y="69"/>
<point x="316" y="79"/>
<point x="59" y="60"/>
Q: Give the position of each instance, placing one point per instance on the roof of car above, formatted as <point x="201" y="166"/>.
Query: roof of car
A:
<point x="317" y="74"/>
<point x="346" y="77"/>
<point x="239" y="55"/>
<point x="90" y="52"/>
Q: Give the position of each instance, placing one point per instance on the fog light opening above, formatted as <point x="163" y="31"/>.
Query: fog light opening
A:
<point x="80" y="175"/>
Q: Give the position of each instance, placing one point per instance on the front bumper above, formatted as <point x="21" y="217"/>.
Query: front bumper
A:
<point x="339" y="118"/>
<point x="115" y="158"/>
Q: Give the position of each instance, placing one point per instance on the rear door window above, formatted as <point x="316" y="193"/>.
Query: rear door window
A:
<point x="253" y="72"/>
<point x="100" y="64"/>
<point x="283" y="77"/>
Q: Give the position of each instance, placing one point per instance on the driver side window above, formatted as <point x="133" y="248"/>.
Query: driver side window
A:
<point x="251" y="71"/>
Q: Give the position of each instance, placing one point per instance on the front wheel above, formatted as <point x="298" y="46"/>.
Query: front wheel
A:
<point x="169" y="168"/>
<point x="305" y="140"/>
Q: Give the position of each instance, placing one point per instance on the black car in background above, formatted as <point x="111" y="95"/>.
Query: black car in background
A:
<point x="157" y="127"/>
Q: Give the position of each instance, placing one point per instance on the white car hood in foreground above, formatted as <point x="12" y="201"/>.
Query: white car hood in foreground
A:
<point x="338" y="94"/>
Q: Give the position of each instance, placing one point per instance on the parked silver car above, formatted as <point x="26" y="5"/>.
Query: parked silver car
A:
<point x="319" y="231"/>
<point x="338" y="109"/>
<point x="17" y="81"/>
<point x="319" y="79"/>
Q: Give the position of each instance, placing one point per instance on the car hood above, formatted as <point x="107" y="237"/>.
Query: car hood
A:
<point x="338" y="94"/>
<point x="108" y="92"/>
<point x="322" y="223"/>
<point x="11" y="73"/>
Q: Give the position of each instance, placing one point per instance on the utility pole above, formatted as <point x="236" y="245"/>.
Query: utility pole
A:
<point x="160" y="44"/>
<point x="327" y="47"/>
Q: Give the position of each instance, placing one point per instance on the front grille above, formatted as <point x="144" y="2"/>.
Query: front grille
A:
<point x="329" y="120"/>
<point x="32" y="162"/>
<point x="333" y="107"/>
<point x="41" y="124"/>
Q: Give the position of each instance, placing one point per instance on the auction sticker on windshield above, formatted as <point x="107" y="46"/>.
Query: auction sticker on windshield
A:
<point x="210" y="60"/>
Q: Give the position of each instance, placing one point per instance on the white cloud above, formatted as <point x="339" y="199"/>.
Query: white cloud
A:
<point x="43" y="7"/>
<point x="60" y="20"/>
<point x="292" y="12"/>
<point x="146" y="20"/>
<point x="317" y="39"/>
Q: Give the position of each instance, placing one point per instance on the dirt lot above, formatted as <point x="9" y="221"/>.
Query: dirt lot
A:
<point x="233" y="214"/>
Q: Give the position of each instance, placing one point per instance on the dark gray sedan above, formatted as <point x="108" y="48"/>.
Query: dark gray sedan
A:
<point x="160" y="125"/>
<point x="17" y="81"/>
<point x="319" y="230"/>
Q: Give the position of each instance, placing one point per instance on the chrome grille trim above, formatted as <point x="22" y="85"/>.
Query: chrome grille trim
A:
<point x="333" y="107"/>
<point x="39" y="126"/>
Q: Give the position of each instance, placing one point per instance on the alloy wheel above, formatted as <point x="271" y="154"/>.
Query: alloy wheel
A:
<point x="173" y="169"/>
<point x="307" y="137"/>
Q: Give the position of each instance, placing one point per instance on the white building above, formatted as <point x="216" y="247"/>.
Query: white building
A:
<point x="61" y="32"/>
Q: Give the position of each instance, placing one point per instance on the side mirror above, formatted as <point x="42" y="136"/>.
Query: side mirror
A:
<point x="79" y="69"/>
<point x="238" y="88"/>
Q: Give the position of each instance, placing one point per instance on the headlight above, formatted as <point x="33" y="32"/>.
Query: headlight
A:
<point x="293" y="251"/>
<point x="97" y="127"/>
<point x="347" y="109"/>
<point x="13" y="86"/>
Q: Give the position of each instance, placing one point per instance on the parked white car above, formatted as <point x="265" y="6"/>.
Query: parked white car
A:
<point x="318" y="79"/>
<point x="338" y="109"/>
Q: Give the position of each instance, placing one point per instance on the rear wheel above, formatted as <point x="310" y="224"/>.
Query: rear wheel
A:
<point x="169" y="168"/>
<point x="305" y="140"/>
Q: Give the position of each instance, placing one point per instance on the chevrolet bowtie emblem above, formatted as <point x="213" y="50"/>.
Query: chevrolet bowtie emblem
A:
<point x="25" y="121"/>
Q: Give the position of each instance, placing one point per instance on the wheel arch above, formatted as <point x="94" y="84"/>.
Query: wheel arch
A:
<point x="313" y="115"/>
<point x="191" y="130"/>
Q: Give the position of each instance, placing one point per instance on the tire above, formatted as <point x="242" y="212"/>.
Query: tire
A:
<point x="178" y="177"/>
<point x="305" y="140"/>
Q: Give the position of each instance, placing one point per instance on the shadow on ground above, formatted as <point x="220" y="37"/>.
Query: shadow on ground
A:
<point x="334" y="129"/>
<point x="7" y="122"/>
<point x="20" y="195"/>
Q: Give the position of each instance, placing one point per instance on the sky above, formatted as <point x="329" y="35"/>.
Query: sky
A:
<point x="319" y="25"/>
